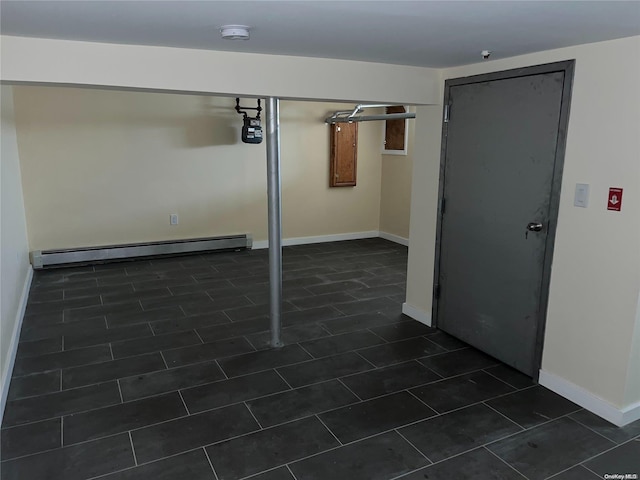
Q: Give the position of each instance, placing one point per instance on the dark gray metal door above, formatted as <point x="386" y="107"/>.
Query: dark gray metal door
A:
<point x="502" y="138"/>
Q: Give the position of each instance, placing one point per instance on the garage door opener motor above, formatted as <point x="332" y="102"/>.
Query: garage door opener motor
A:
<point x="252" y="129"/>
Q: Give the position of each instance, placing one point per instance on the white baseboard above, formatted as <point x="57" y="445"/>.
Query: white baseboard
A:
<point x="13" y="346"/>
<point x="589" y="401"/>
<point x="394" y="238"/>
<point x="417" y="314"/>
<point x="339" y="237"/>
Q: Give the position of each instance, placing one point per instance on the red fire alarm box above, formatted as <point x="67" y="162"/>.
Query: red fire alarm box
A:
<point x="615" y="199"/>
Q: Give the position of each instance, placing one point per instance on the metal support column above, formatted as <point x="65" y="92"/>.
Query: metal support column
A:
<point x="275" y="217"/>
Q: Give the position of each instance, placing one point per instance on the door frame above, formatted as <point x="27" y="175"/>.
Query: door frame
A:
<point x="568" y="67"/>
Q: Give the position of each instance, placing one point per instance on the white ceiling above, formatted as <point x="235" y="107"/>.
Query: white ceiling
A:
<point x="422" y="33"/>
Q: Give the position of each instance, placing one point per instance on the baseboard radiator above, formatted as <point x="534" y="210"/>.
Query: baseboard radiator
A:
<point x="113" y="253"/>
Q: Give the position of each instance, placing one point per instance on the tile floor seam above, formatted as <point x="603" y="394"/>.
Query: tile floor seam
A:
<point x="245" y="338"/>
<point x="109" y="406"/>
<point x="61" y="432"/>
<point x="179" y="417"/>
<point x="184" y="403"/>
<point x="255" y="475"/>
<point x="153" y="332"/>
<point x="279" y="393"/>
<point x="220" y="367"/>
<point x="484" y="402"/>
<point x="166" y="365"/>
<point x="381" y="338"/>
<point x="324" y="380"/>
<point x="103" y="475"/>
<point x="307" y="351"/>
<point x="75" y="349"/>
<point x="96" y="383"/>
<point x="147" y="396"/>
<point x="206" y="454"/>
<point x="255" y="346"/>
<point x="252" y="414"/>
<point x="582" y="462"/>
<point x="323" y="327"/>
<point x="488" y="444"/>
<point x="347" y="387"/>
<point x="133" y="449"/>
<point x="333" y="448"/>
<point x="399" y="477"/>
<point x="428" y="384"/>
<point x="550" y="477"/>
<point x="191" y="415"/>
<point x="61" y="447"/>
<point x="375" y="367"/>
<point x="449" y="350"/>
<point x="291" y="472"/>
<point x="285" y="380"/>
<point x="587" y="468"/>
<point x="59" y="416"/>
<point x="111" y="350"/>
<point x="120" y="390"/>
<point x="198" y="335"/>
<point x="414" y="447"/>
<point x="266" y="369"/>
<point x="504" y="381"/>
<point x="425" y="403"/>
<point x="505" y="462"/>
<point x="328" y="429"/>
<point x="593" y="430"/>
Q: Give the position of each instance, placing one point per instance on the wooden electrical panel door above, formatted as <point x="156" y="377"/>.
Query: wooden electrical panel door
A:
<point x="394" y="131"/>
<point x="344" y="153"/>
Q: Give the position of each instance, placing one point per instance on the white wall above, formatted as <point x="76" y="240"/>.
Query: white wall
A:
<point x="15" y="271"/>
<point x="596" y="276"/>
<point x="104" y="167"/>
<point x="229" y="73"/>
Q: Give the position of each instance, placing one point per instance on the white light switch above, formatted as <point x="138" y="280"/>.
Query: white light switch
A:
<point x="581" y="198"/>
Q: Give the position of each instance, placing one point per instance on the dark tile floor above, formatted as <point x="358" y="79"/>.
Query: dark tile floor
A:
<point x="160" y="369"/>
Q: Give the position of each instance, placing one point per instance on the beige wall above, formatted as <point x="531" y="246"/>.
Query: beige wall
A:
<point x="395" y="200"/>
<point x="103" y="167"/>
<point x="424" y="201"/>
<point x="596" y="276"/>
<point x="229" y="73"/>
<point x="14" y="261"/>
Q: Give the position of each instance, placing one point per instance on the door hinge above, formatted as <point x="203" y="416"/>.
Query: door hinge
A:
<point x="446" y="113"/>
<point x="436" y="291"/>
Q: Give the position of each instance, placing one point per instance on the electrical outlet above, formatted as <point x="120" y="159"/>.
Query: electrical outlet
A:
<point x="173" y="219"/>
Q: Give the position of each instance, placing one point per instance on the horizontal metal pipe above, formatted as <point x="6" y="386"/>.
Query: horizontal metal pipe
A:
<point x="380" y="105"/>
<point x="368" y="118"/>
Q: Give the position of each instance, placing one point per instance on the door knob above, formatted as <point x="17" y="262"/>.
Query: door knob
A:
<point x="534" y="227"/>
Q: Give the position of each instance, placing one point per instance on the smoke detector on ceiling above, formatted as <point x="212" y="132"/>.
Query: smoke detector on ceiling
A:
<point x="235" y="32"/>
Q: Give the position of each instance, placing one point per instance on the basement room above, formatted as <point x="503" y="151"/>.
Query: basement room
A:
<point x="292" y="240"/>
